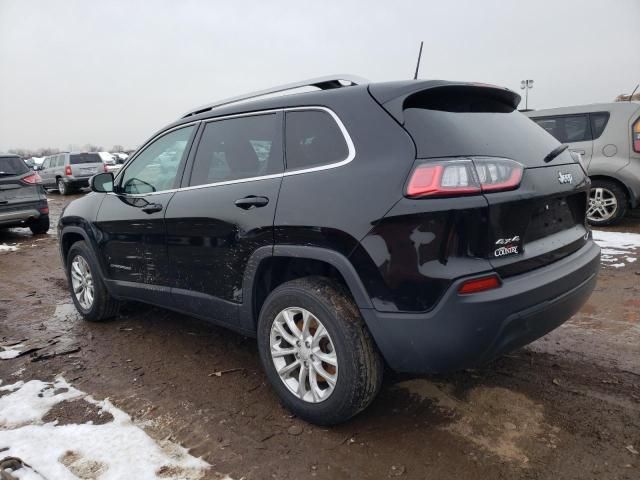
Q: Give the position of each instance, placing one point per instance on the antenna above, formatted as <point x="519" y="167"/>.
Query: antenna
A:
<point x="634" y="91"/>
<point x="415" y="77"/>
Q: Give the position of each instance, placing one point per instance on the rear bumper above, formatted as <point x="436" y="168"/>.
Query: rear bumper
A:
<point x="19" y="217"/>
<point x="76" y="182"/>
<point x="464" y="331"/>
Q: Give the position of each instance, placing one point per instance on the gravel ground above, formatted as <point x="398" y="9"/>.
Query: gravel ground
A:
<point x="567" y="406"/>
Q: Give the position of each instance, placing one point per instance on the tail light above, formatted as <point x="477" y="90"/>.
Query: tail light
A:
<point x="44" y="210"/>
<point x="104" y="168"/>
<point x="636" y="136"/>
<point x="463" y="176"/>
<point x="478" y="285"/>
<point x="67" y="170"/>
<point x="32" y="179"/>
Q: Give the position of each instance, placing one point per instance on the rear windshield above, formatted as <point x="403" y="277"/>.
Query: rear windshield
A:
<point x="461" y="125"/>
<point x="12" y="166"/>
<point x="77" y="158"/>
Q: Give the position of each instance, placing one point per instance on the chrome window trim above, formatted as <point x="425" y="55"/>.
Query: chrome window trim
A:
<point x="345" y="133"/>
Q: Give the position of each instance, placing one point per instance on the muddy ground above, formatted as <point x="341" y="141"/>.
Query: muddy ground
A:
<point x="568" y="406"/>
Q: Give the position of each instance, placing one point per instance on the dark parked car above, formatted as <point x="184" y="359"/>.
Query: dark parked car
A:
<point x="425" y="224"/>
<point x="23" y="201"/>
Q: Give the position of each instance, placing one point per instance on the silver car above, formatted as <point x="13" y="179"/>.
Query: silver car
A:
<point x="67" y="172"/>
<point x="607" y="135"/>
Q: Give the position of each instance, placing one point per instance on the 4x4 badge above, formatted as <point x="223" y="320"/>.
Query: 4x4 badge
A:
<point x="565" y="177"/>
<point x="507" y="246"/>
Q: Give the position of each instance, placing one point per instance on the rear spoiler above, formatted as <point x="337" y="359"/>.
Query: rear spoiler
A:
<point x="442" y="95"/>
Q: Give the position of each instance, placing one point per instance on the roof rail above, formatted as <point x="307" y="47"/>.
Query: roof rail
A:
<point x="323" y="83"/>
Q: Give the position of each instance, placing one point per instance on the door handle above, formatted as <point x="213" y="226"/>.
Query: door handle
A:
<point x="577" y="150"/>
<point x="251" y="202"/>
<point x="152" y="208"/>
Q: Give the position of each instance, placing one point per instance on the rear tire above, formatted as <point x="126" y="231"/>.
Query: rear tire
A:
<point x="359" y="366"/>
<point x="62" y="187"/>
<point x="607" y="203"/>
<point x="83" y="271"/>
<point x="40" y="226"/>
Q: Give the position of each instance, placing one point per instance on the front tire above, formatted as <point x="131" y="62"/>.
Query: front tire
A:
<point x="317" y="352"/>
<point x="88" y="292"/>
<point x="40" y="226"/>
<point x="62" y="187"/>
<point x="607" y="203"/>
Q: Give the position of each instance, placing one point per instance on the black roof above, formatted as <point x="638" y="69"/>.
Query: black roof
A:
<point x="384" y="92"/>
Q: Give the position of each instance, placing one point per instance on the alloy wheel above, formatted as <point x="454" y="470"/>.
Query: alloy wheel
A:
<point x="602" y="204"/>
<point x="303" y="354"/>
<point x="82" y="282"/>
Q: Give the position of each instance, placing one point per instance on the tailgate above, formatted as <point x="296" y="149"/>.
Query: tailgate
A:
<point x="541" y="222"/>
<point x="531" y="223"/>
<point x="14" y="195"/>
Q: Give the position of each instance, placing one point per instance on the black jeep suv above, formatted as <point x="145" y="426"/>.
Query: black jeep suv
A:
<point x="425" y="224"/>
<point x="23" y="200"/>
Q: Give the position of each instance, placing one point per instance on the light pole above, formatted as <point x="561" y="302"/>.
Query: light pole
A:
<point x="526" y="85"/>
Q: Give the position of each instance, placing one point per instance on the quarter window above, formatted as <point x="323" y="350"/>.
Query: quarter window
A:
<point x="156" y="168"/>
<point x="599" y="121"/>
<point x="313" y="138"/>
<point x="238" y="148"/>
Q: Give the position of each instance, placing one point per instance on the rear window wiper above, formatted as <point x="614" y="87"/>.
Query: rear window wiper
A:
<point x="555" y="152"/>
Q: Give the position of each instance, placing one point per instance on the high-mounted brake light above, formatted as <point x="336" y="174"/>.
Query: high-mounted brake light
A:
<point x="636" y="136"/>
<point x="478" y="285"/>
<point x="32" y="179"/>
<point x="67" y="170"/>
<point x="464" y="176"/>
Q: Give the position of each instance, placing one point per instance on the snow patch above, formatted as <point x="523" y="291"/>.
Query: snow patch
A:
<point x="13" y="351"/>
<point x="110" y="451"/>
<point x="617" y="247"/>
<point x="7" y="248"/>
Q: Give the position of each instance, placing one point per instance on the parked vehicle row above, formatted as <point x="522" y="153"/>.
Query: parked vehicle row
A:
<point x="607" y="136"/>
<point x="427" y="225"/>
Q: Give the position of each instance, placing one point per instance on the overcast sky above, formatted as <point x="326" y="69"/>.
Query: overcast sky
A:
<point x="112" y="72"/>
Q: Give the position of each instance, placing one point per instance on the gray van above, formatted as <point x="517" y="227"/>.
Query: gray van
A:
<point x="67" y="172"/>
<point x="607" y="135"/>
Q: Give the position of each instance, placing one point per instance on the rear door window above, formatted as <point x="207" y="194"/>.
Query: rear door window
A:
<point x="313" y="138"/>
<point x="577" y="129"/>
<point x="599" y="122"/>
<point x="567" y="129"/>
<point x="238" y="148"/>
<point x="80" y="158"/>
<point x="12" y="166"/>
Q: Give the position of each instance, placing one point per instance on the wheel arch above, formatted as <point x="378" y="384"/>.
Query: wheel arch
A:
<point x="268" y="268"/>
<point x="72" y="234"/>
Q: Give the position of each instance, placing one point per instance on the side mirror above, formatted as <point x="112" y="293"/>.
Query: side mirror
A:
<point x="102" y="182"/>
